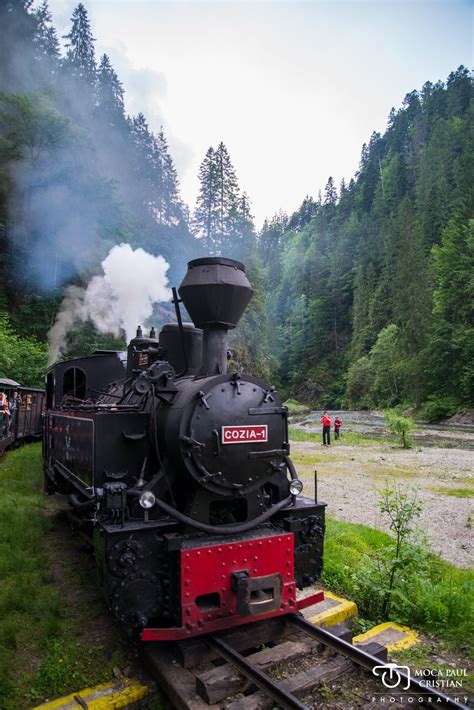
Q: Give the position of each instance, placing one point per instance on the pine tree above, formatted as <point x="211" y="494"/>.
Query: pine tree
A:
<point x="330" y="192"/>
<point x="157" y="174"/>
<point x="459" y="87"/>
<point x="240" y="237"/>
<point x="81" y="55"/>
<point x="222" y="216"/>
<point x="143" y="143"/>
<point x="45" y="38"/>
<point x="364" y="156"/>
<point x="271" y="236"/>
<point x="411" y="295"/>
<point x="206" y="214"/>
<point x="451" y="363"/>
<point x="303" y="215"/>
<point x="227" y="189"/>
<point x="244" y="207"/>
<point x="169" y="204"/>
<point x="142" y="137"/>
<point x="17" y="31"/>
<point x="110" y="94"/>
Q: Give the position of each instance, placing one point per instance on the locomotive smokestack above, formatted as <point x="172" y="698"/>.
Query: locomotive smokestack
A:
<point x="215" y="292"/>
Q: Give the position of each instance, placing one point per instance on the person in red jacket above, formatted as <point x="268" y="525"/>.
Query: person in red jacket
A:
<point x="337" y="426"/>
<point x="326" y="422"/>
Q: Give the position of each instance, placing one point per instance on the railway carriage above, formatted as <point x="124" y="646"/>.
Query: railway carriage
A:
<point x="26" y="421"/>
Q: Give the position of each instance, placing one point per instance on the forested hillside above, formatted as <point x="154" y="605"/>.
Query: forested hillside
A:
<point x="372" y="284"/>
<point x="363" y="297"/>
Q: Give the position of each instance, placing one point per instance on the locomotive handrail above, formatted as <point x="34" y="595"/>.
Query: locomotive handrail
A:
<point x="111" y="406"/>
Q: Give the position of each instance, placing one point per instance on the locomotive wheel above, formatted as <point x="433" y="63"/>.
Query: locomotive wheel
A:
<point x="137" y="598"/>
<point x="125" y="555"/>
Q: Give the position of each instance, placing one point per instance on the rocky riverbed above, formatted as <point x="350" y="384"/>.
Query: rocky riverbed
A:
<point x="351" y="476"/>
<point x="457" y="432"/>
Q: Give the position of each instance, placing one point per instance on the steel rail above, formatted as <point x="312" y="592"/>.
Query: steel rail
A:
<point x="367" y="661"/>
<point x="270" y="687"/>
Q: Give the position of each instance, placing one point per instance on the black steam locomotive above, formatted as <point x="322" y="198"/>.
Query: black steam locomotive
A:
<point x="179" y="472"/>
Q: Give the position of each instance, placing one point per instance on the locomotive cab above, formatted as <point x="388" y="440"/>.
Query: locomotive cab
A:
<point x="180" y="472"/>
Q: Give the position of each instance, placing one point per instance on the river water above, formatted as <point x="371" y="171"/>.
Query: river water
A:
<point x="373" y="423"/>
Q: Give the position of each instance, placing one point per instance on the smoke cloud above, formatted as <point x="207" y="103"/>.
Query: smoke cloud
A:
<point x="117" y="300"/>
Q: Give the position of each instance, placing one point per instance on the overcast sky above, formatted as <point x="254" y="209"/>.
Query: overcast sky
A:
<point x="293" y="89"/>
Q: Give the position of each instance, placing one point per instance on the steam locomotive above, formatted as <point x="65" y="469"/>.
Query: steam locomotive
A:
<point x="178" y="472"/>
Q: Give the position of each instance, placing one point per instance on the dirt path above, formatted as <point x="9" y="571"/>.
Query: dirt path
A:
<point x="350" y="476"/>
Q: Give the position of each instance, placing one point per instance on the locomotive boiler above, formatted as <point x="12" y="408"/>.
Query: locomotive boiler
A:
<point x="179" y="474"/>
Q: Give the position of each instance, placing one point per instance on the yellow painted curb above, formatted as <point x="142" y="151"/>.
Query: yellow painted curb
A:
<point x="336" y="614"/>
<point x="106" y="696"/>
<point x="410" y="638"/>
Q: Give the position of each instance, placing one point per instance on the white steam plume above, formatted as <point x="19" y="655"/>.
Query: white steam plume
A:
<point x="121" y="298"/>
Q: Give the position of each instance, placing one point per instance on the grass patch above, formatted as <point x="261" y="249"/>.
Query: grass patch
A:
<point x="295" y="407"/>
<point x="69" y="665"/>
<point x="436" y="599"/>
<point x="297" y="434"/>
<point x="469" y="480"/>
<point x="348" y="437"/>
<point x="40" y="654"/>
<point x="456" y="492"/>
<point x="304" y="458"/>
<point x="389" y="471"/>
<point x="355" y="437"/>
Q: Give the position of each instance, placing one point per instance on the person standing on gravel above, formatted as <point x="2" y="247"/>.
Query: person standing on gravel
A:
<point x="326" y="422"/>
<point x="337" y="426"/>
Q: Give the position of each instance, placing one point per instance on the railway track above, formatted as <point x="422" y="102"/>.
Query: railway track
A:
<point x="280" y="663"/>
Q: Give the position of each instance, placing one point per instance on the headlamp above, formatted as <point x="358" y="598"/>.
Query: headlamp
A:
<point x="296" y="486"/>
<point x="147" y="500"/>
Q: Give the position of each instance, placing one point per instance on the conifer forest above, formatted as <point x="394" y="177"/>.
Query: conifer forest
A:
<point x="363" y="296"/>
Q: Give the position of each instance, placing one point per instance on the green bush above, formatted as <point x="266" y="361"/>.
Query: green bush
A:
<point x="401" y="426"/>
<point x="437" y="408"/>
<point x="21" y="359"/>
<point x="431" y="594"/>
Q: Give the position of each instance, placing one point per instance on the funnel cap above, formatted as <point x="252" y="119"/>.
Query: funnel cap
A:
<point x="222" y="260"/>
<point x="215" y="292"/>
